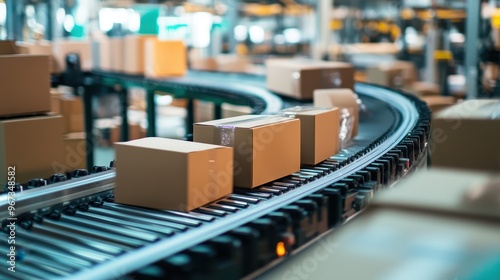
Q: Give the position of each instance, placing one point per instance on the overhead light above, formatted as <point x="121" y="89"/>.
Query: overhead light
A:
<point x="69" y="23"/>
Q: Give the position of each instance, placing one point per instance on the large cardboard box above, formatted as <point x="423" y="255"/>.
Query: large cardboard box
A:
<point x="466" y="136"/>
<point x="116" y="45"/>
<point x="75" y="150"/>
<point x="397" y="74"/>
<point x="172" y="174"/>
<point x="37" y="47"/>
<point x="342" y="98"/>
<point x="133" y="50"/>
<point x="72" y="113"/>
<point x="266" y="148"/>
<point x="63" y="47"/>
<point x="33" y="145"/>
<point x="165" y="58"/>
<point x="8" y="47"/>
<point x="319" y="133"/>
<point x="298" y="78"/>
<point x="25" y="82"/>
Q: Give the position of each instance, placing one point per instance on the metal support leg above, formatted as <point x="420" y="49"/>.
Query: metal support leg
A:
<point x="124" y="114"/>
<point x="151" y="113"/>
<point x="190" y="116"/>
<point x="217" y="111"/>
<point x="471" y="48"/>
<point x="89" y="126"/>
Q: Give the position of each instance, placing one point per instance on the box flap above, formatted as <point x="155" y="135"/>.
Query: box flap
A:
<point x="472" y="109"/>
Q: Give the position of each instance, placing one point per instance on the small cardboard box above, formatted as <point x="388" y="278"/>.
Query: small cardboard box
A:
<point x="55" y="100"/>
<point x="165" y="58"/>
<point x="172" y="174"/>
<point x="266" y="148"/>
<point x="63" y="47"/>
<point x="204" y="64"/>
<point x="397" y="74"/>
<point x="8" y="47"/>
<point x="232" y="63"/>
<point x="37" y="47"/>
<point x="298" y="78"/>
<point x="466" y="136"/>
<point x="342" y="98"/>
<point x="319" y="133"/>
<point x="33" y="145"/>
<point x="133" y="50"/>
<point x="75" y="150"/>
<point x="72" y="113"/>
<point x="117" y="57"/>
<point x="423" y="89"/>
<point x="25" y="81"/>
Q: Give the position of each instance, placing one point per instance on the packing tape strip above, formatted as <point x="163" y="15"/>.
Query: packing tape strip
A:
<point x="292" y="112"/>
<point x="224" y="133"/>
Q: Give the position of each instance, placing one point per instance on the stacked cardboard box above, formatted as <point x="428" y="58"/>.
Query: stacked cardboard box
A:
<point x="30" y="138"/>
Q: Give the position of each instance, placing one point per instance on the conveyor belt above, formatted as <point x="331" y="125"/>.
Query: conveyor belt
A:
<point x="74" y="229"/>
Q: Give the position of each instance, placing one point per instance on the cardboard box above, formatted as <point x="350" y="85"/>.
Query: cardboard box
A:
<point x="397" y="74"/>
<point x="72" y="113"/>
<point x="196" y="173"/>
<point x="116" y="45"/>
<point x="319" y="133"/>
<point x="496" y="37"/>
<point x="423" y="89"/>
<point x="230" y="110"/>
<point x="37" y="47"/>
<point x="101" y="54"/>
<point x="63" y="47"/>
<point x="165" y="58"/>
<point x="55" y="100"/>
<point x="135" y="131"/>
<point x="75" y="150"/>
<point x="204" y="64"/>
<point x="133" y="50"/>
<point x="33" y="145"/>
<point x="266" y="147"/>
<point x="438" y="103"/>
<point x="299" y="78"/>
<point x="8" y="47"/>
<point x="466" y="136"/>
<point x="232" y="63"/>
<point x="342" y="98"/>
<point x="25" y="82"/>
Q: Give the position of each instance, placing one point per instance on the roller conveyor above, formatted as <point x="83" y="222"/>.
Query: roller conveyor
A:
<point x="95" y="238"/>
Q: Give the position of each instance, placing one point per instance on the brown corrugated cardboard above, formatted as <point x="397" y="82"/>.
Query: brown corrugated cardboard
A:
<point x="63" y="47"/>
<point x="342" y="98"/>
<point x="7" y="47"/>
<point x="133" y="51"/>
<point x="266" y="148"/>
<point x="232" y="63"/>
<point x="438" y="103"/>
<point x="496" y="37"/>
<point x="298" y="78"/>
<point x="397" y="74"/>
<point x="172" y="174"/>
<point x="72" y="113"/>
<point x="116" y="45"/>
<point x="423" y="89"/>
<point x="135" y="132"/>
<point x="101" y="54"/>
<point x="75" y="150"/>
<point x="25" y="82"/>
<point x="466" y="136"/>
<point x="37" y="47"/>
<point x="319" y="133"/>
<point x="165" y="58"/>
<point x="204" y="64"/>
<point x="33" y="145"/>
<point x="55" y="100"/>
